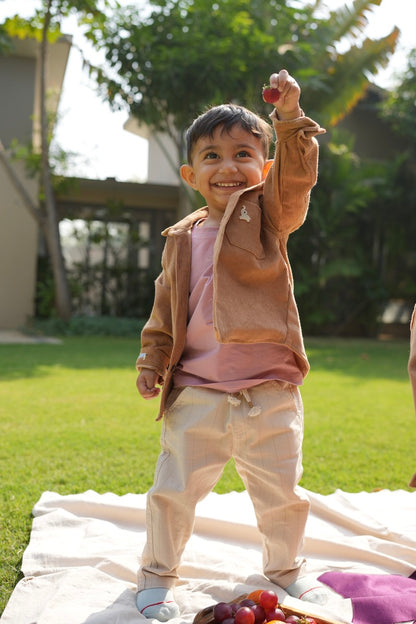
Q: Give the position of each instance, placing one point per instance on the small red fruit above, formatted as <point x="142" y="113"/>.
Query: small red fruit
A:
<point x="268" y="599"/>
<point x="247" y="602"/>
<point x="275" y="614"/>
<point x="270" y="94"/>
<point x="259" y="614"/>
<point x="222" y="611"/>
<point x="244" y="615"/>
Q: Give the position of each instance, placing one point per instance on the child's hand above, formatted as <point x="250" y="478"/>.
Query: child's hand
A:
<point x="287" y="106"/>
<point x="146" y="383"/>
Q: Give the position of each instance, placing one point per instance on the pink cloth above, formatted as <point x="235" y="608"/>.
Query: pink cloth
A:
<point x="376" y="598"/>
<point x="225" y="367"/>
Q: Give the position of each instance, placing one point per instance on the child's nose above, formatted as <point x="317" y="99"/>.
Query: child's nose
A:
<point x="228" y="165"/>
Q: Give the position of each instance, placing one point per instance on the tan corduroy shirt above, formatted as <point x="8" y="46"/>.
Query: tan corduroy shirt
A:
<point x="253" y="284"/>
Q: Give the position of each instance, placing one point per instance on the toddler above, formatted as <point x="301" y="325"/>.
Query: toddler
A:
<point x="225" y="344"/>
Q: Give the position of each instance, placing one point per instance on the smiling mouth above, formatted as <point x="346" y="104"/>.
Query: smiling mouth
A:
<point x="226" y="185"/>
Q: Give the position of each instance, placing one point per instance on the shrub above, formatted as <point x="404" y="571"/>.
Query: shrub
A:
<point x="88" y="326"/>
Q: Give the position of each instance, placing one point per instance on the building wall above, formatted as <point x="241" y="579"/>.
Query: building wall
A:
<point x="18" y="230"/>
<point x="16" y="98"/>
<point x="161" y="167"/>
<point x="373" y="137"/>
<point x="19" y="119"/>
<point x="18" y="253"/>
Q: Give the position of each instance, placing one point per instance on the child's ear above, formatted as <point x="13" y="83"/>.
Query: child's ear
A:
<point x="266" y="167"/>
<point x="187" y="174"/>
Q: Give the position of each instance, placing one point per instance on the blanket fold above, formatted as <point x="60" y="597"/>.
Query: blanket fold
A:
<point x="81" y="561"/>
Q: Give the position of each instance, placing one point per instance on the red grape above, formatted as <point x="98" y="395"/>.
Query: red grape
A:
<point x="264" y="609"/>
<point x="275" y="614"/>
<point x="259" y="614"/>
<point x="244" y="615"/>
<point x="268" y="599"/>
<point x="246" y="602"/>
<point x="222" y="611"/>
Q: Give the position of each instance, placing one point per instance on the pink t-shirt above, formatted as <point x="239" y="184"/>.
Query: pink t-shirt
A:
<point x="226" y="367"/>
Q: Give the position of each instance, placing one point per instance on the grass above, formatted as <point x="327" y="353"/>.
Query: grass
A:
<point x="71" y="420"/>
<point x="360" y="429"/>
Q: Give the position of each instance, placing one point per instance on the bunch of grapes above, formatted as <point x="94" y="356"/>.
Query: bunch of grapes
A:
<point x="260" y="607"/>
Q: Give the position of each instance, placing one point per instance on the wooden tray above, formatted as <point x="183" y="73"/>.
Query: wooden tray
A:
<point x="206" y="616"/>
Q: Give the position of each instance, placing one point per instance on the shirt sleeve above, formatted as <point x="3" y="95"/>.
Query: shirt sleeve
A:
<point x="156" y="337"/>
<point x="293" y="174"/>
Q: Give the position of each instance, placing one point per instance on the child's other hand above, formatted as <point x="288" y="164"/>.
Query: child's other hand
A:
<point x="287" y="106"/>
<point x="146" y="383"/>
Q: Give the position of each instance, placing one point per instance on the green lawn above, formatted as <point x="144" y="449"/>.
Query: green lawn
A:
<point x="71" y="420"/>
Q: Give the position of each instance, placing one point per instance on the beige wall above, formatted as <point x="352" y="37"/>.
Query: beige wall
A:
<point x="18" y="231"/>
<point x="18" y="253"/>
<point x="159" y="167"/>
<point x="16" y="98"/>
<point x="19" y="80"/>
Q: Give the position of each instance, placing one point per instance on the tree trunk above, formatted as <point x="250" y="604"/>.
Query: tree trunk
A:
<point x="33" y="209"/>
<point x="53" y="240"/>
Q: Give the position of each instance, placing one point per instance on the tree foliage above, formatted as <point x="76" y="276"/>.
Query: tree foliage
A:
<point x="356" y="249"/>
<point x="337" y="277"/>
<point x="171" y="59"/>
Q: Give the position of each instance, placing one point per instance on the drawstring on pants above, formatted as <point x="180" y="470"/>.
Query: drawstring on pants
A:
<point x="234" y="400"/>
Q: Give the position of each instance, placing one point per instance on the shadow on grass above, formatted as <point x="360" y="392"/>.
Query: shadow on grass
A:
<point x="355" y="358"/>
<point x="82" y="353"/>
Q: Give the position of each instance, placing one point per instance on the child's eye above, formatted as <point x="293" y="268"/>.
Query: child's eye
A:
<point x="211" y="155"/>
<point x="243" y="154"/>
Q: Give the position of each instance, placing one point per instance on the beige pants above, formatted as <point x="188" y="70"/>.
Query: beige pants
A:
<point x="202" y="430"/>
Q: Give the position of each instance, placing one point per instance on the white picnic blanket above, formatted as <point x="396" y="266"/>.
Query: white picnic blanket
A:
<point x="81" y="561"/>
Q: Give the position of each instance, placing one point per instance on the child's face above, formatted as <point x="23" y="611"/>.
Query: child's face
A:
<point x="223" y="164"/>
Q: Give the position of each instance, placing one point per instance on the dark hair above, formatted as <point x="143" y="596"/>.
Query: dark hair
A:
<point x="227" y="116"/>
